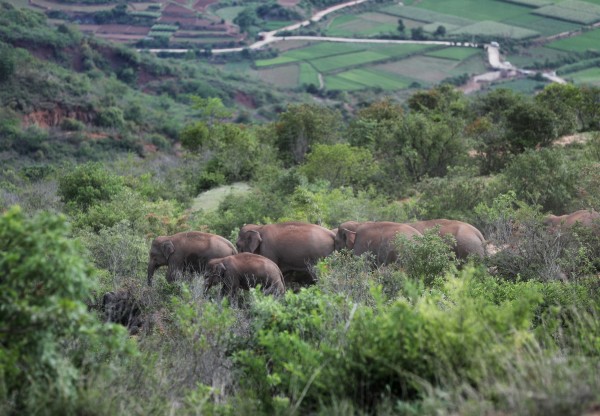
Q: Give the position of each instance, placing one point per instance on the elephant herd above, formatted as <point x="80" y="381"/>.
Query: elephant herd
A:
<point x="277" y="255"/>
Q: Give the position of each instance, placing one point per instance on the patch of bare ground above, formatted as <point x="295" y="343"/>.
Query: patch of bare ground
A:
<point x="245" y="100"/>
<point x="572" y="138"/>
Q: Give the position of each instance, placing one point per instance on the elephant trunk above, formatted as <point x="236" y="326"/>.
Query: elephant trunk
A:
<point x="151" y="268"/>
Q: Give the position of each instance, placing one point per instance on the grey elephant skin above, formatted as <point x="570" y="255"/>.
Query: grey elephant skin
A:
<point x="376" y="237"/>
<point x="587" y="218"/>
<point x="243" y="271"/>
<point x="468" y="239"/>
<point x="189" y="250"/>
<point x="293" y="246"/>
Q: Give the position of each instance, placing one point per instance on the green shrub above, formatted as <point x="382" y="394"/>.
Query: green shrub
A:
<point x="88" y="184"/>
<point x="426" y="257"/>
<point x="50" y="341"/>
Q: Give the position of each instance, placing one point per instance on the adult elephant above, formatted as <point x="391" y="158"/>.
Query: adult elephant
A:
<point x="293" y="246"/>
<point x="243" y="271"/>
<point x="468" y="239"/>
<point x="376" y="237"/>
<point x="587" y="218"/>
<point x="189" y="250"/>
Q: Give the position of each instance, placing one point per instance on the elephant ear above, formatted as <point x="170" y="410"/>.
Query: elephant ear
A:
<point x="349" y="238"/>
<point x="168" y="248"/>
<point x="254" y="240"/>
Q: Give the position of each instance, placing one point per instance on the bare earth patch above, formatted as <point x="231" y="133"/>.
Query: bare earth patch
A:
<point x="572" y="138"/>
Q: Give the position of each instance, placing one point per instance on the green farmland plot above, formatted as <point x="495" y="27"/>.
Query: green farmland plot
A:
<point x="546" y="26"/>
<point x="323" y="49"/>
<point x="585" y="42"/>
<point x="476" y="10"/>
<point x="280" y="60"/>
<point x="427" y="16"/>
<point x="308" y="75"/>
<point x="341" y="61"/>
<point x="365" y="24"/>
<point x="337" y="83"/>
<point x="586" y="76"/>
<point x="456" y="54"/>
<point x="229" y="13"/>
<point x="375" y="78"/>
<point x="500" y="30"/>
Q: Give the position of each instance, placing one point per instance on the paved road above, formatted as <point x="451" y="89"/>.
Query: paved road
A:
<point x="493" y="49"/>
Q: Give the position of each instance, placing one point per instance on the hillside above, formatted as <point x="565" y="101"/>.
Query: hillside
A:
<point x="419" y="251"/>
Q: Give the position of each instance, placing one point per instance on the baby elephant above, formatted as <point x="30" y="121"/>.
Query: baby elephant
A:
<point x="243" y="271"/>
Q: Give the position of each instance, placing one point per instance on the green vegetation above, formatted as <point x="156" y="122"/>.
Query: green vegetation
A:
<point x="103" y="153"/>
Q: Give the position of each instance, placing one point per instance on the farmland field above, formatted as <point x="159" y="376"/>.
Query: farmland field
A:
<point x="457" y="54"/>
<point x="335" y="82"/>
<point x="544" y="25"/>
<point x="341" y="61"/>
<point x="533" y="55"/>
<point x="229" y="13"/>
<point x="308" y="75"/>
<point x="375" y="78"/>
<point x="432" y="70"/>
<point x="366" y="24"/>
<point x="523" y="85"/>
<point x="427" y="16"/>
<point x="475" y="9"/>
<point x="283" y="76"/>
<point x="500" y="30"/>
<point x="582" y="43"/>
<point x="323" y="49"/>
<point x="586" y="76"/>
<point x="280" y="60"/>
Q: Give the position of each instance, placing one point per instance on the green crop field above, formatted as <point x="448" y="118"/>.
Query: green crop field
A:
<point x="582" y="43"/>
<point x="229" y="13"/>
<point x="342" y="61"/>
<point x="276" y="24"/>
<point x="375" y="78"/>
<point x="308" y="75"/>
<point x="500" y="30"/>
<point x="429" y="69"/>
<point x="457" y="54"/>
<point x="524" y="86"/>
<point x="337" y="83"/>
<point x="531" y="3"/>
<point x="283" y="76"/>
<point x="544" y="25"/>
<point x="280" y="60"/>
<point x="427" y="16"/>
<point x="533" y="55"/>
<point x="475" y="9"/>
<point x="365" y="24"/>
<point x="586" y="76"/>
<point x="400" y="50"/>
<point x="323" y="49"/>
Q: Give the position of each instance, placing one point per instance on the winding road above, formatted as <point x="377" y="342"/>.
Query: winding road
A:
<point x="493" y="49"/>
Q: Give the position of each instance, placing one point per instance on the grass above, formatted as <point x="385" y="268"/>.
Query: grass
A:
<point x="456" y="54"/>
<point x="582" y="43"/>
<point x="586" y="76"/>
<point x="533" y="55"/>
<point x="275" y="24"/>
<point x="210" y="200"/>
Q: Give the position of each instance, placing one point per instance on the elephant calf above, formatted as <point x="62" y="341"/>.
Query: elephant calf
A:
<point x="188" y="250"/>
<point x="243" y="271"/>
